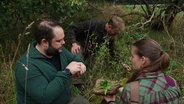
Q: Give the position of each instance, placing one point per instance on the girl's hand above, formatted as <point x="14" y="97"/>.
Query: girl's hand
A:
<point x="110" y="98"/>
<point x="126" y="67"/>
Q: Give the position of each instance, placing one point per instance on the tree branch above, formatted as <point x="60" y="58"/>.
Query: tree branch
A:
<point x="148" y="21"/>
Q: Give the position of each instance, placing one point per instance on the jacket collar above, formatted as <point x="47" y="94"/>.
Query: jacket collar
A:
<point x="33" y="52"/>
<point x="150" y="75"/>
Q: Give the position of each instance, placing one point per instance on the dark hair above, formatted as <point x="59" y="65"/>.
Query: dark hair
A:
<point x="151" y="49"/>
<point x="117" y="22"/>
<point x="44" y="30"/>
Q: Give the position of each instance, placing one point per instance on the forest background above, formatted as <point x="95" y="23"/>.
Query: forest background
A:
<point x="162" y="20"/>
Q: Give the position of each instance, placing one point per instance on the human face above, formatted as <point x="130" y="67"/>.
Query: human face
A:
<point x="56" y="44"/>
<point x="135" y="59"/>
<point x="114" y="31"/>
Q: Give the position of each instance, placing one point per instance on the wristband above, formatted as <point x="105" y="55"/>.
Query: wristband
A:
<point x="67" y="72"/>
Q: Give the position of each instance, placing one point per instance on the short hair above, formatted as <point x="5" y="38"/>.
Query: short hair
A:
<point x="44" y="30"/>
<point x="117" y="22"/>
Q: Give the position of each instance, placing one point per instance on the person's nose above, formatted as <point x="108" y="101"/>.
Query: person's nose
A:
<point x="63" y="42"/>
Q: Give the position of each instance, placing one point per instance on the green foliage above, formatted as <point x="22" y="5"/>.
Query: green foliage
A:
<point x="74" y="90"/>
<point x="173" y="64"/>
<point x="106" y="67"/>
<point x="7" y="94"/>
<point x="123" y="81"/>
<point x="27" y="8"/>
<point x="16" y="14"/>
<point x="136" y="33"/>
<point x="106" y="85"/>
<point x="77" y="2"/>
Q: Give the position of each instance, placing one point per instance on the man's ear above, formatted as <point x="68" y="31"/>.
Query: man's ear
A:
<point x="109" y="26"/>
<point x="44" y="43"/>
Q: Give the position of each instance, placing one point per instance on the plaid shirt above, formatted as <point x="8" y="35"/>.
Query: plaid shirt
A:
<point x="154" y="88"/>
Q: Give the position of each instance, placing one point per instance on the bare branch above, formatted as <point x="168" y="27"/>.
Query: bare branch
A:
<point x="148" y="21"/>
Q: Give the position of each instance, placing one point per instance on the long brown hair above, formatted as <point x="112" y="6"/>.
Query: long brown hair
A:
<point x="152" y="50"/>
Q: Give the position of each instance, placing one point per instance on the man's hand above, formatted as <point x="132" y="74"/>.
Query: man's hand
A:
<point x="80" y="73"/>
<point x="77" y="68"/>
<point x="75" y="48"/>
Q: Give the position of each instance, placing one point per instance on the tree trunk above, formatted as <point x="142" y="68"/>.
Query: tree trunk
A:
<point x="171" y="12"/>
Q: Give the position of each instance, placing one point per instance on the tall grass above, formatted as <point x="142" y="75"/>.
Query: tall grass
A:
<point x="107" y="68"/>
<point x="170" y="39"/>
<point x="9" y="55"/>
<point x="103" y="66"/>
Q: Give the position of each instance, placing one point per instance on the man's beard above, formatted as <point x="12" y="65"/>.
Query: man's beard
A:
<point x="51" y="51"/>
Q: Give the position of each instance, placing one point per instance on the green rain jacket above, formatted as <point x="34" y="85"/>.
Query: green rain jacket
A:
<point x="39" y="82"/>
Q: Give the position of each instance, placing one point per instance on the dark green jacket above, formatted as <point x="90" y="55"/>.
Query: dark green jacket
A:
<point x="44" y="84"/>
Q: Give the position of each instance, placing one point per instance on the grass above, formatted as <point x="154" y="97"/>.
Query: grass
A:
<point x="171" y="41"/>
<point x="7" y="92"/>
<point x="104" y="66"/>
<point x="9" y="55"/>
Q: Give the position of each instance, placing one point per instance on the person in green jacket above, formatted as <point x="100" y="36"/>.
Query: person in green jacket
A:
<point x="42" y="73"/>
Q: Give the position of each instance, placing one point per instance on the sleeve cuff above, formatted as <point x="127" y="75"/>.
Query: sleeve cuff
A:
<point x="62" y="74"/>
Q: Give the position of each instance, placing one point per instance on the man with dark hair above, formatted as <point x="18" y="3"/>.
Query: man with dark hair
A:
<point x="43" y="72"/>
<point x="88" y="35"/>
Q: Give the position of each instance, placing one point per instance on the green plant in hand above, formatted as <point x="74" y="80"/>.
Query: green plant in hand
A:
<point x="106" y="85"/>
